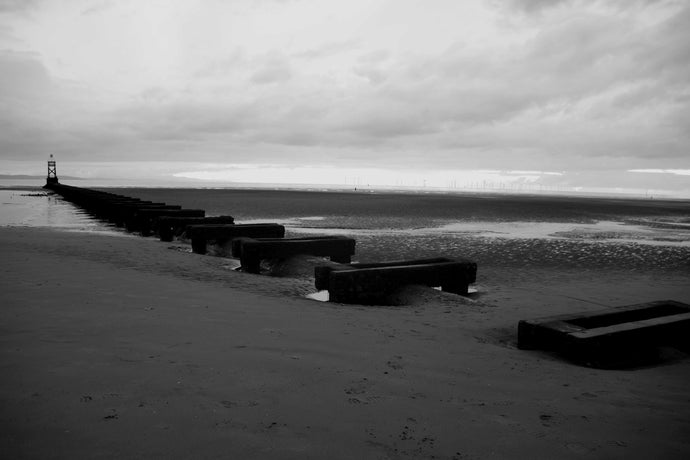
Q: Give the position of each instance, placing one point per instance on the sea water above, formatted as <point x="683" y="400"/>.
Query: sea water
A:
<point x="490" y="229"/>
<point x="37" y="208"/>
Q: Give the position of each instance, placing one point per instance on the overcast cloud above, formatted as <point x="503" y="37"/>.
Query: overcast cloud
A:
<point x="559" y="86"/>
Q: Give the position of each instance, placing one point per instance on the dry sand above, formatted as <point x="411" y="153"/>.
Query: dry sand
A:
<point x="125" y="347"/>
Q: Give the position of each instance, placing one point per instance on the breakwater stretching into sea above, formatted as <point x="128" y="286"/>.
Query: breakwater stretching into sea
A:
<point x="510" y="231"/>
<point x="254" y="243"/>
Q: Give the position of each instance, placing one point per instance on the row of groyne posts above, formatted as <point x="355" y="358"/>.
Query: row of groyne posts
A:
<point x="346" y="282"/>
<point x="611" y="337"/>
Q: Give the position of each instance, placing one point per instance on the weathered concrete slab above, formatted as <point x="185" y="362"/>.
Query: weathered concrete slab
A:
<point x="251" y="251"/>
<point x="170" y="226"/>
<point x="122" y="212"/>
<point x="372" y="283"/>
<point x="322" y="273"/>
<point x="146" y="218"/>
<point x="105" y="208"/>
<point x="610" y="337"/>
<point x="130" y="214"/>
<point x="201" y="235"/>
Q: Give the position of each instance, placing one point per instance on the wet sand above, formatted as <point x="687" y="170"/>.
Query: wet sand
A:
<point x="126" y="347"/>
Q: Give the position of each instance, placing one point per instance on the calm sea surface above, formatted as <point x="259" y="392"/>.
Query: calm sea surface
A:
<point x="491" y="229"/>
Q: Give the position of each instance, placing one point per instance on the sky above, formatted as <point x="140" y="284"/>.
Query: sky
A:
<point x="533" y="94"/>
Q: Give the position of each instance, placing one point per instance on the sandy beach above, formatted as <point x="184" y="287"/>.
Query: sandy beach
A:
<point x="126" y="347"/>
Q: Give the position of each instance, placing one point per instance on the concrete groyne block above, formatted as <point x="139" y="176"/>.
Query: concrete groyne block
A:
<point x="106" y="208"/>
<point x="201" y="235"/>
<point x="130" y="214"/>
<point x="119" y="213"/>
<point x="612" y="337"/>
<point x="101" y="206"/>
<point x="171" y="226"/>
<point x="372" y="283"/>
<point x="251" y="251"/>
<point x="147" y="218"/>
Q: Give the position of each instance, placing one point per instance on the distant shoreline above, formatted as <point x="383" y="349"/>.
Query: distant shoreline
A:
<point x="377" y="191"/>
<point x="29" y="177"/>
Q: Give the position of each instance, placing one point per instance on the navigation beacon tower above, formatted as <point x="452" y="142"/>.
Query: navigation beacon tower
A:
<point x="52" y="172"/>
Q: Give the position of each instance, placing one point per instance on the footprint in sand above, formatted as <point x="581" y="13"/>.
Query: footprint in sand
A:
<point x="546" y="419"/>
<point x="358" y="392"/>
<point x="395" y="363"/>
<point x="112" y="416"/>
<point x="358" y="387"/>
<point x="579" y="448"/>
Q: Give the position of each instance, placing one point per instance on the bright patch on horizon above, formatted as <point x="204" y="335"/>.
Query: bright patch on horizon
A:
<point x="366" y="177"/>
<point x="678" y="172"/>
